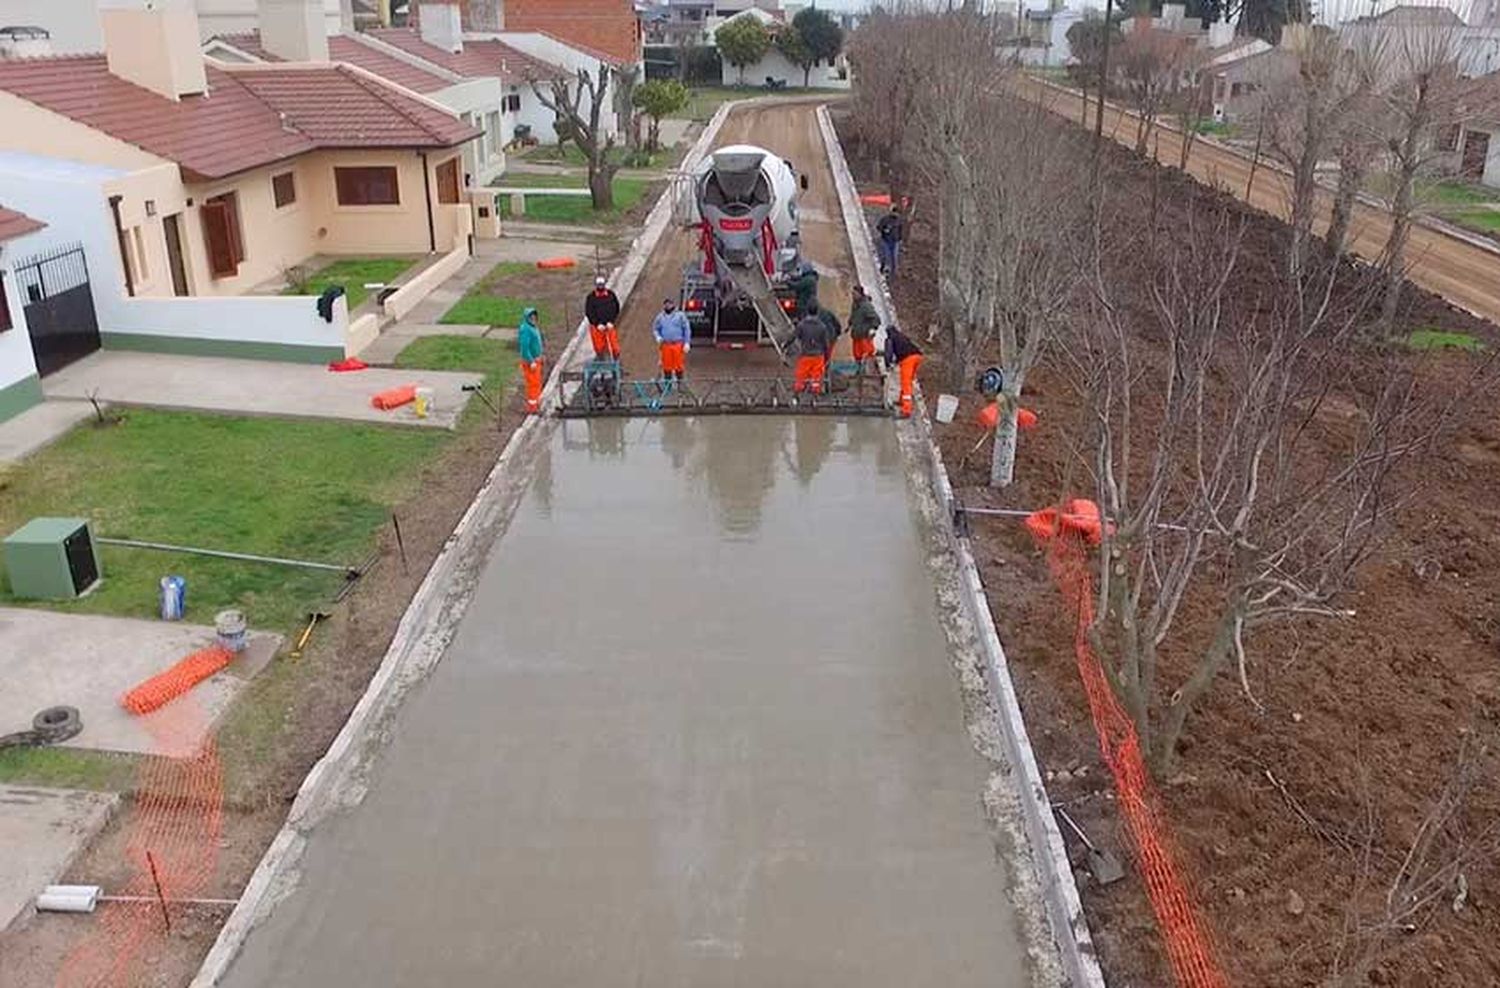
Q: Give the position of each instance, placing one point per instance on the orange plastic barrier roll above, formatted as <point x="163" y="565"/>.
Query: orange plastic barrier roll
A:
<point x="875" y="199"/>
<point x="1079" y="516"/>
<point x="395" y="397"/>
<point x="552" y="263"/>
<point x="168" y="685"/>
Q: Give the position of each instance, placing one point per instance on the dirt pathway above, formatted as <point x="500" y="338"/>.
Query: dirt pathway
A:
<point x="1466" y="275"/>
<point x="790" y="130"/>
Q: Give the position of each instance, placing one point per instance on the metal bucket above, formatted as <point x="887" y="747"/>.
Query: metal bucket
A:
<point x="231" y="630"/>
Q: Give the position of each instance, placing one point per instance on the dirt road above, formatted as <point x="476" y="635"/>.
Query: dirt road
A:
<point x="1466" y="275"/>
<point x="791" y="130"/>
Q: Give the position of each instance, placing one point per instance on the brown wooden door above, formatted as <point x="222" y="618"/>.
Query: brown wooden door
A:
<point x="1476" y="151"/>
<point x="447" y="181"/>
<point x="176" y="263"/>
<point x="221" y="235"/>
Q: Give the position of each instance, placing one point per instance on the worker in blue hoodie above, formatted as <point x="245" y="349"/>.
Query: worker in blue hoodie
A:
<point x="529" y="341"/>
<point x="674" y="337"/>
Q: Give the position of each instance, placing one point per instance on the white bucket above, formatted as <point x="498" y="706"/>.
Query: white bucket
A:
<point x="230" y="626"/>
<point x="947" y="407"/>
<point x="424" y="403"/>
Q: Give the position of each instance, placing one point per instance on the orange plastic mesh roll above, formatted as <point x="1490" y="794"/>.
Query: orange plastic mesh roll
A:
<point x="166" y="686"/>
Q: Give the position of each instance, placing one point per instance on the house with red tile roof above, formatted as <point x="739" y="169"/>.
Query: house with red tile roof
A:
<point x="610" y="27"/>
<point x="20" y="387"/>
<point x="218" y="178"/>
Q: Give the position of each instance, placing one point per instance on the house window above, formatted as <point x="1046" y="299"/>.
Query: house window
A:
<point x="5" y="320"/>
<point x="1448" y="138"/>
<point x="284" y="189"/>
<point x="447" y="181"/>
<point x="369" y="186"/>
<point x="221" y="234"/>
<point x="513" y="103"/>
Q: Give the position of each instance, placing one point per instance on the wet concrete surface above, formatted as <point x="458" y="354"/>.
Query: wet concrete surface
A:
<point x="699" y="727"/>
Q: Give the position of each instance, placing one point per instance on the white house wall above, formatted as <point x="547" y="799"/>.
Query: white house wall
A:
<point x="774" y="65"/>
<point x="473" y="100"/>
<point x="19" y="386"/>
<point x="556" y="53"/>
<point x="74" y="24"/>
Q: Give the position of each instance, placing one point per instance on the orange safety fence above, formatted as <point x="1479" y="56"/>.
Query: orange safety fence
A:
<point x="1065" y="533"/>
<point x="168" y="685"/>
<point x="395" y="397"/>
<point x="172" y="830"/>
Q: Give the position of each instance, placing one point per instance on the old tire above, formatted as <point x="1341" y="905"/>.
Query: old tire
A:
<point x="56" y="724"/>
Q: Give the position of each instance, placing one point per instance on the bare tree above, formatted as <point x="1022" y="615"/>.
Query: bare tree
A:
<point x="1423" y="98"/>
<point x="1150" y="66"/>
<point x="579" y="103"/>
<point x="1241" y="455"/>
<point x="1358" y="139"/>
<point x="1191" y="101"/>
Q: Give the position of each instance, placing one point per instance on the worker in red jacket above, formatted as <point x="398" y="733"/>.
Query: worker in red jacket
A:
<point x="602" y="310"/>
<point x="902" y="353"/>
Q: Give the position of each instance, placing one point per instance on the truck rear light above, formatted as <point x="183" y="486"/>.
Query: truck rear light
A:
<point x="694" y="305"/>
<point x="788" y="304"/>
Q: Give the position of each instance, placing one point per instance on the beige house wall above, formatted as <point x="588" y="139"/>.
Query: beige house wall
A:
<point x="27" y="127"/>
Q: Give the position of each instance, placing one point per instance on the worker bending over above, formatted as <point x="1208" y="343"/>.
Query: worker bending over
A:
<point x="901" y="352"/>
<point x="529" y="341"/>
<point x="814" y="342"/>
<point x="674" y="338"/>
<point x="863" y="321"/>
<point x="601" y="309"/>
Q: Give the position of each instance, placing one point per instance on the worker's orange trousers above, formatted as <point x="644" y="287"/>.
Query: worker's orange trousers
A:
<point x="810" y="374"/>
<point x="864" y="349"/>
<point x="606" y="340"/>
<point x="673" y="359"/>
<point x="532" y="373"/>
<point x="908" y="367"/>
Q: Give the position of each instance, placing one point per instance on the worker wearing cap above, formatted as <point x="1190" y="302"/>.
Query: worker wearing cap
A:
<point x="901" y="352"/>
<point x="674" y="338"/>
<point x="814" y="343"/>
<point x="601" y="309"/>
<point x="529" y="342"/>
<point x="863" y="321"/>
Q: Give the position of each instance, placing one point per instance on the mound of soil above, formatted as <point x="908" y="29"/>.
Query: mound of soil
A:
<point x="1281" y="818"/>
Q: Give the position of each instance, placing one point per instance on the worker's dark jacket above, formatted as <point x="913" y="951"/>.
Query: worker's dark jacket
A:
<point x="600" y="309"/>
<point x="892" y="228"/>
<point x="863" y="320"/>
<point x="814" y="338"/>
<point x="832" y="322"/>
<point x="898" y="346"/>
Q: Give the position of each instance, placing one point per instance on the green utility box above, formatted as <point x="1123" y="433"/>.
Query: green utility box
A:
<point x="51" y="559"/>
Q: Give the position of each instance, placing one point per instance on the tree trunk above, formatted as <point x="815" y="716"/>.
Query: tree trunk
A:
<point x="1343" y="208"/>
<point x="1163" y="750"/>
<point x="601" y="186"/>
<point x="1395" y="250"/>
<point x="1003" y="460"/>
<point x="653" y="141"/>
<point x="807" y="77"/>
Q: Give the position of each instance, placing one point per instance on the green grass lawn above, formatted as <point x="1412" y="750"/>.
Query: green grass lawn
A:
<point x="1479" y="218"/>
<point x="1458" y="194"/>
<point x="568" y="154"/>
<point x="705" y="101"/>
<point x="495" y="359"/>
<point x="279" y="487"/>
<point x="353" y="273"/>
<point x="480" y="306"/>
<point x="1438" y="339"/>
<point x="1214" y="128"/>
<point x="579" y="209"/>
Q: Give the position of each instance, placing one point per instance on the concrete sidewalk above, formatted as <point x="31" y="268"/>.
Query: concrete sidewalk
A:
<point x="42" y="831"/>
<point x="255" y="387"/>
<point x="40" y="426"/>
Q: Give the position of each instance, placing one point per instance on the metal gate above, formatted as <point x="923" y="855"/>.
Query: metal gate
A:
<point x="59" y="308"/>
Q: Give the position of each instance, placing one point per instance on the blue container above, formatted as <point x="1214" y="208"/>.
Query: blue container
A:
<point x="172" y="597"/>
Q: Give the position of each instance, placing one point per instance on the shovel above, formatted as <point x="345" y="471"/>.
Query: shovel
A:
<point x="1103" y="865"/>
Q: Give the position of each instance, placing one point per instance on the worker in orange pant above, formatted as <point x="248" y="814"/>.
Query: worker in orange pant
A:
<point x="815" y="338"/>
<point x="863" y="322"/>
<point x="902" y="353"/>
<point x="529" y="342"/>
<point x="602" y="310"/>
<point x="674" y="338"/>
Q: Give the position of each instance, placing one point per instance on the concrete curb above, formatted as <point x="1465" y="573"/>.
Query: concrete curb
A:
<point x="338" y="780"/>
<point x="1064" y="908"/>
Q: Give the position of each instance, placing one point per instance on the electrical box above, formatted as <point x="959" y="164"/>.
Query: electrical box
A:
<point x="51" y="559"/>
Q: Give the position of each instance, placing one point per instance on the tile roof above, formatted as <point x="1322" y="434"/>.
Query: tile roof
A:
<point x="249" y="43"/>
<point x="343" y="48"/>
<point x="251" y="115"/>
<point x="14" y="224"/>
<point x="488" y="58"/>
<point x="609" y="27"/>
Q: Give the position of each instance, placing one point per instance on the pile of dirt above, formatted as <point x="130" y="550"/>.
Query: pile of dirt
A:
<point x="1280" y="815"/>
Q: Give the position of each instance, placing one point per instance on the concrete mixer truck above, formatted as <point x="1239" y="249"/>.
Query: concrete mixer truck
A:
<point x="742" y="201"/>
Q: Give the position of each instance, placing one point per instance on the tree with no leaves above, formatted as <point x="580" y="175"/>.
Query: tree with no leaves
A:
<point x="1151" y="63"/>
<point x="580" y="120"/>
<point x="742" y="42"/>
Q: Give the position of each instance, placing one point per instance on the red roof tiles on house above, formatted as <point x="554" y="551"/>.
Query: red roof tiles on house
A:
<point x="479" y="59"/>
<point x="14" y="224"/>
<point x="249" y="43"/>
<point x="607" y="26"/>
<point x="343" y="48"/>
<point x="250" y="116"/>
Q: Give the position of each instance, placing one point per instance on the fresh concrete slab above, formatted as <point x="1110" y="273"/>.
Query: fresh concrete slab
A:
<point x="255" y="387"/>
<point x="699" y="726"/>
<point x="42" y="831"/>
<point x="40" y="426"/>
<point x="86" y="661"/>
